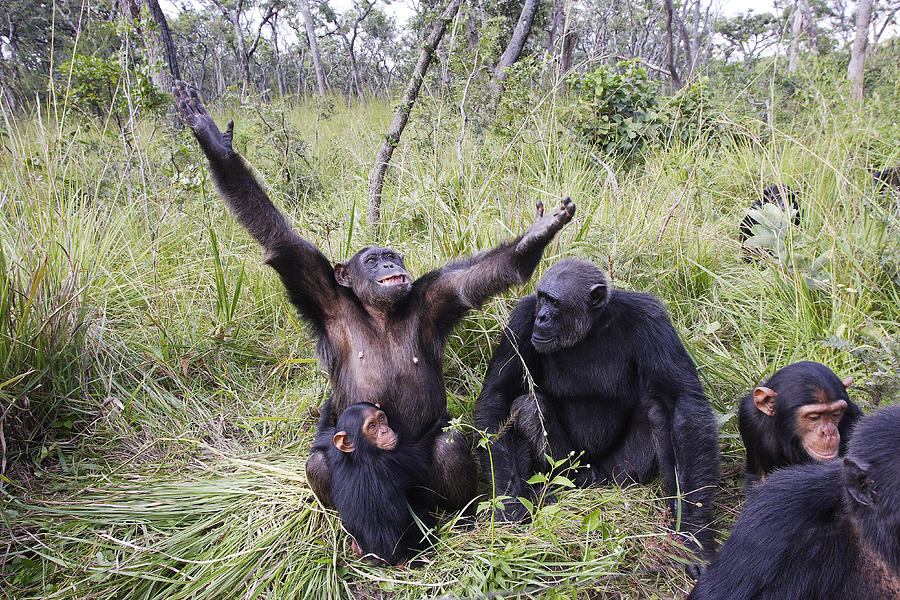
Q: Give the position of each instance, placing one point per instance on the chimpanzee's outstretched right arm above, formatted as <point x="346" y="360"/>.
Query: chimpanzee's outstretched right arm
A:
<point x="305" y="272"/>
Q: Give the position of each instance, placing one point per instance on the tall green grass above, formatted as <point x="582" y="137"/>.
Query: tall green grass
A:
<point x="158" y="393"/>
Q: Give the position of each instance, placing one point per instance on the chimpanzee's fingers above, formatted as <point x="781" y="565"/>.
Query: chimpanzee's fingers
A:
<point x="197" y="103"/>
<point x="568" y="206"/>
<point x="540" y="209"/>
<point x="229" y="131"/>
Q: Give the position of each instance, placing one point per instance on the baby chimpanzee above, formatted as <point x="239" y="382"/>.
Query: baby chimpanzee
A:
<point x="373" y="474"/>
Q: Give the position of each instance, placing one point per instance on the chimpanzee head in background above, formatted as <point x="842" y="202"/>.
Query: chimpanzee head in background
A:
<point x="801" y="414"/>
<point x="570" y="295"/>
<point x="377" y="276"/>
<point x="871" y="476"/>
<point x="364" y="428"/>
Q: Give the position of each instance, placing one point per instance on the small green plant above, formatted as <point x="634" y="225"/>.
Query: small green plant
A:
<point x="226" y="301"/>
<point x="771" y="231"/>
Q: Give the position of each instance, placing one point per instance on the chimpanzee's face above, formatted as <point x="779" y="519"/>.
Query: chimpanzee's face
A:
<point x="817" y="427"/>
<point x="377" y="275"/>
<point x="569" y="297"/>
<point x="376" y="429"/>
<point x="363" y="427"/>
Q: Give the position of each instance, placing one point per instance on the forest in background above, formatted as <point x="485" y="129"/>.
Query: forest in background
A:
<point x="157" y="392"/>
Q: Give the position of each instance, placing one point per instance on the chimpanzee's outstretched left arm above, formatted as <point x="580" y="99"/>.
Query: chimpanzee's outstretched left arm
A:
<point x="305" y="272"/>
<point x="455" y="289"/>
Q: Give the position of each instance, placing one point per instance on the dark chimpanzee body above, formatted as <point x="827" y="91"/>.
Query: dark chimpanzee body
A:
<point x="828" y="531"/>
<point x="376" y="473"/>
<point x="611" y="379"/>
<point x="779" y="195"/>
<point x="380" y="335"/>
<point x="801" y="414"/>
<point x="889" y="177"/>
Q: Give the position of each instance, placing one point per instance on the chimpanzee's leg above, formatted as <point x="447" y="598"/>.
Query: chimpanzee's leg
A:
<point x="318" y="477"/>
<point x="453" y="475"/>
<point x="635" y="457"/>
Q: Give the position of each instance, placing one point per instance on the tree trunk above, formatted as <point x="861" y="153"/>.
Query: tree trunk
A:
<point x="809" y="21"/>
<point x="557" y="20"/>
<point x="6" y="95"/>
<point x="695" y="36"/>
<point x="218" y="72"/>
<point x="858" y="50"/>
<point x="473" y="29"/>
<point x="313" y="46"/>
<point x="570" y="38"/>
<point x="392" y="138"/>
<point x="279" y="69"/>
<point x="164" y="39"/>
<point x="233" y="16"/>
<point x="517" y="41"/>
<point x="794" y="49"/>
<point x="670" y="46"/>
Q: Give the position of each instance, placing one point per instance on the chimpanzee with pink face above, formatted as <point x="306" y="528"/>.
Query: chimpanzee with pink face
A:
<point x="801" y="414"/>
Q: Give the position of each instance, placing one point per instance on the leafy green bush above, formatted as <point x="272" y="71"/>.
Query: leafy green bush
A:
<point x="615" y="111"/>
<point x="98" y="87"/>
<point x="619" y="111"/>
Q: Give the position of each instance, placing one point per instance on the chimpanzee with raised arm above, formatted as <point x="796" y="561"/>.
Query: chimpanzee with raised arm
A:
<point x="380" y="335"/>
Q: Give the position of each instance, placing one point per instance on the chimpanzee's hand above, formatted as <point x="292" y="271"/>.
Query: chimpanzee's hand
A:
<point x="586" y="477"/>
<point x="215" y="144"/>
<point x="545" y="226"/>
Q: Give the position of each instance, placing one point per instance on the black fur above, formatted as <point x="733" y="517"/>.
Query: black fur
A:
<point x="889" y="177"/>
<point x="377" y="498"/>
<point x="824" y="531"/>
<point x="610" y="378"/>
<point x="380" y="346"/>
<point x="771" y="442"/>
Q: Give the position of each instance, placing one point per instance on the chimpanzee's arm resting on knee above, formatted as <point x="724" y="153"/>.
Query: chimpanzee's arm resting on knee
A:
<point x="459" y="287"/>
<point x="307" y="274"/>
<point x="507" y="460"/>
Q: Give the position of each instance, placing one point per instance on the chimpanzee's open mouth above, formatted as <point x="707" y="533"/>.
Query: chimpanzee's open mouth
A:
<point x="393" y="280"/>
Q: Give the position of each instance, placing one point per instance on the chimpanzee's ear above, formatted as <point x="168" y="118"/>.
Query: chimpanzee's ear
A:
<point x="764" y="399"/>
<point x="847" y="381"/>
<point x="856" y="479"/>
<point x="342" y="275"/>
<point x="598" y="294"/>
<point x="342" y="442"/>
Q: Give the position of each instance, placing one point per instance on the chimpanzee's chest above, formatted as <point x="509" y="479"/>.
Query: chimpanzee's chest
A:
<point x="390" y="366"/>
<point x="589" y="371"/>
<point x="593" y="392"/>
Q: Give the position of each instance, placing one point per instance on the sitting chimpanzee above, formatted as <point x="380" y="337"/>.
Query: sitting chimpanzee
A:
<point x="801" y="414"/>
<point x="828" y="531"/>
<point x="380" y="335"/>
<point x="582" y="367"/>
<point x="376" y="473"/>
<point x="781" y="196"/>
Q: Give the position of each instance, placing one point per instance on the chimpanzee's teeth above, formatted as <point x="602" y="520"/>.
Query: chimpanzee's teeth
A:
<point x="392" y="280"/>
